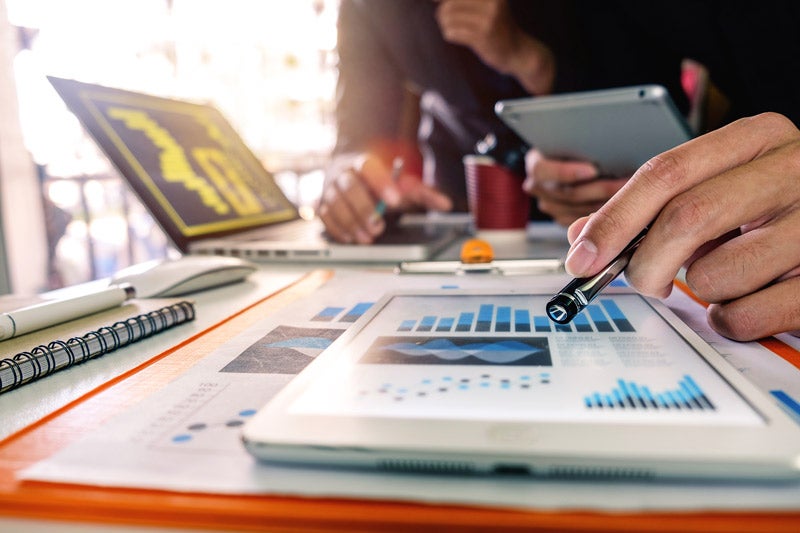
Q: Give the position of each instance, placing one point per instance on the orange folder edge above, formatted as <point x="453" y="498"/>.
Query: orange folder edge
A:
<point x="772" y="344"/>
<point x="80" y="503"/>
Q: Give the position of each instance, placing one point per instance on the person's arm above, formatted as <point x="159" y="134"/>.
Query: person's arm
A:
<point x="727" y="206"/>
<point x="487" y="27"/>
<point x="369" y="87"/>
<point x="369" y="102"/>
<point x="564" y="191"/>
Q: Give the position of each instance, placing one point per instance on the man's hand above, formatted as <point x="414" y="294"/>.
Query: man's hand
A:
<point x="727" y="206"/>
<point x="566" y="190"/>
<point x="349" y="200"/>
<point x="486" y="26"/>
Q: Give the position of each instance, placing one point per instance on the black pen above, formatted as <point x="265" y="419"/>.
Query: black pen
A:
<point x="578" y="293"/>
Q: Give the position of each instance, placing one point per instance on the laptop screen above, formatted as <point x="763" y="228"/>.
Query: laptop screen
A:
<point x="186" y="163"/>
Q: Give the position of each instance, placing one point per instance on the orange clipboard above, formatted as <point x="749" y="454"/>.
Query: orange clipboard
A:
<point x="145" y="507"/>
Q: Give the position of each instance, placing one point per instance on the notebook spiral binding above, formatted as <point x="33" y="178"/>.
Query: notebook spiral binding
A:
<point x="43" y="360"/>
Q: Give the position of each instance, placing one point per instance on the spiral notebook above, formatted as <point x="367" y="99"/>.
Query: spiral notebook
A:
<point x="42" y="353"/>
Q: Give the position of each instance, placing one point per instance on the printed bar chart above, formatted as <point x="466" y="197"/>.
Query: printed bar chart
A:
<point x="541" y="323"/>
<point x="563" y="328"/>
<point x="407" y="325"/>
<point x="355" y="313"/>
<point x="445" y="324"/>
<point x="426" y="324"/>
<point x="465" y="321"/>
<point x="604" y="317"/>
<point x="581" y="323"/>
<point x="329" y="314"/>
<point x="485" y="318"/>
<point x="629" y="395"/>
<point x="503" y="321"/>
<point x="522" y="320"/>
<point x="599" y="318"/>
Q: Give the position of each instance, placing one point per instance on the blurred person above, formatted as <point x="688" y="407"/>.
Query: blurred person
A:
<point x="453" y="59"/>
<point x="456" y="59"/>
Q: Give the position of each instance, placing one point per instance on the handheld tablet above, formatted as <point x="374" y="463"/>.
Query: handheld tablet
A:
<point x="616" y="129"/>
<point x="477" y="382"/>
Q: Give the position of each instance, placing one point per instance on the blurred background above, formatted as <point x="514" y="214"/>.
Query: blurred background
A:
<point x="268" y="65"/>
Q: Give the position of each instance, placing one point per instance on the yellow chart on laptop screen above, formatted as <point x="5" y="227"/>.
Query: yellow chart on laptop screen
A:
<point x="183" y="159"/>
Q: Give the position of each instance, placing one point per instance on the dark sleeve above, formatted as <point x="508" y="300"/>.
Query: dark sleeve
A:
<point x="750" y="48"/>
<point x="557" y="25"/>
<point x="633" y="43"/>
<point x="369" y="92"/>
<point x="754" y="57"/>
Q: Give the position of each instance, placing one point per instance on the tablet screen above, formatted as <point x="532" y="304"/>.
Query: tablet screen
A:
<point x="498" y="357"/>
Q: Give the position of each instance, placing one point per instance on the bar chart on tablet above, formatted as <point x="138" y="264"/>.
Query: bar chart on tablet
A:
<point x="497" y="355"/>
<point x="604" y="317"/>
<point x="686" y="395"/>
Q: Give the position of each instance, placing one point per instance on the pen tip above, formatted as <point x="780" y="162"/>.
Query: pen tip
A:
<point x="562" y="309"/>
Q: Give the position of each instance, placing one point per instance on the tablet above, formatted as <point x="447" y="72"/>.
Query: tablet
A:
<point x="616" y="129"/>
<point x="481" y="382"/>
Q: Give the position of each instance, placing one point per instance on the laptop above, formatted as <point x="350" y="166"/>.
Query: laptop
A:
<point x="209" y="192"/>
<point x="481" y="382"/>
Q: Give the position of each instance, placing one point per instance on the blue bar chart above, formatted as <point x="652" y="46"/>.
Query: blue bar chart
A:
<point x="603" y="317"/>
<point x="617" y="316"/>
<point x="338" y="314"/>
<point x="484" y="322"/>
<point x="327" y="314"/>
<point x="355" y="313"/>
<point x="687" y="395"/>
<point x="522" y="320"/>
<point x="599" y="318"/>
<point x="465" y="321"/>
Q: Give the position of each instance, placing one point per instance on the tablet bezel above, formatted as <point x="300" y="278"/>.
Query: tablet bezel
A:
<point x="616" y="129"/>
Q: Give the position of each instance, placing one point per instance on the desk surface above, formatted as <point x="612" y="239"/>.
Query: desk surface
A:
<point x="32" y="402"/>
<point x="22" y="407"/>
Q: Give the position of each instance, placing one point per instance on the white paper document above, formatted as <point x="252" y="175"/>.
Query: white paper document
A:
<point x="186" y="437"/>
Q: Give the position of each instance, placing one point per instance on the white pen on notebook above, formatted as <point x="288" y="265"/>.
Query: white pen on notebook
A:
<point x="49" y="313"/>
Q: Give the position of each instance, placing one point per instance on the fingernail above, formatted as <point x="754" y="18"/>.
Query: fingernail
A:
<point x="391" y="196"/>
<point x="376" y="217"/>
<point x="363" y="237"/>
<point x="581" y="258"/>
<point x="549" y="185"/>
<point x="586" y="173"/>
<point x="376" y="226"/>
<point x="528" y="184"/>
